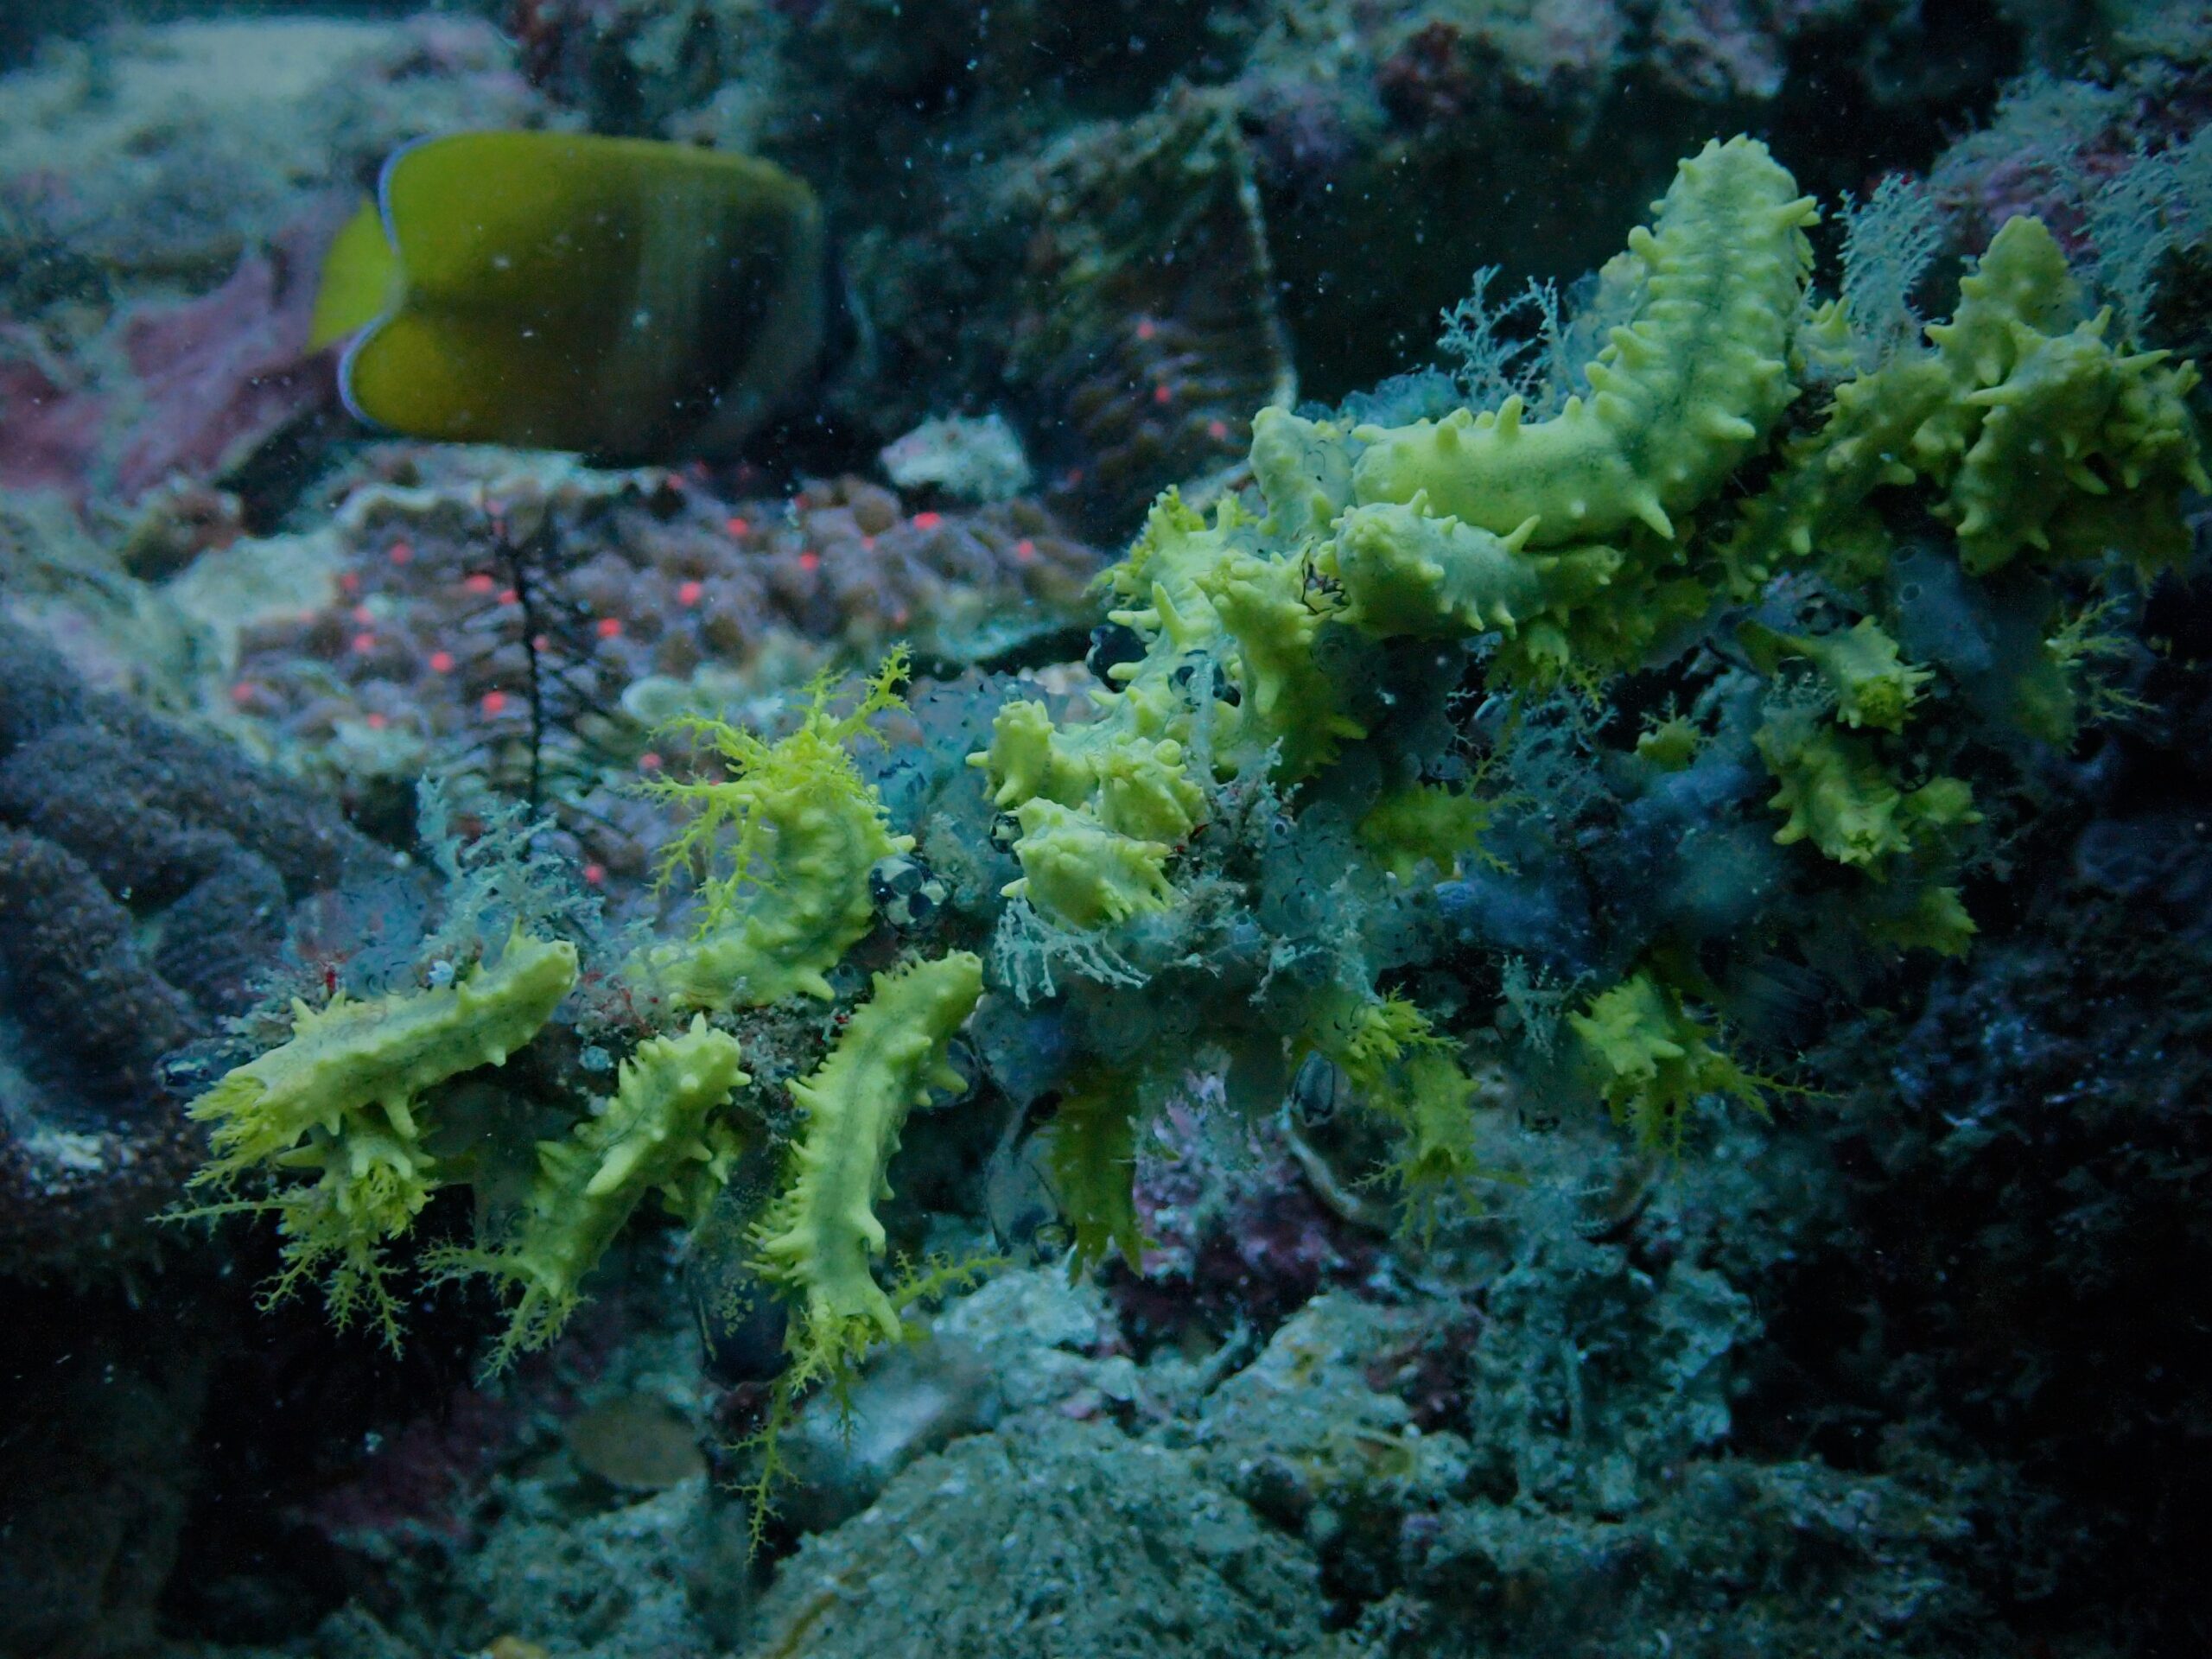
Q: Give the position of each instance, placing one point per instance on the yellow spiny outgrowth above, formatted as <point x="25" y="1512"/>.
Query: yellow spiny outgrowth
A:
<point x="1921" y="918"/>
<point x="1075" y="868"/>
<point x="821" y="1236"/>
<point x="1229" y="672"/>
<point x="1557" y="613"/>
<point x="1830" y="471"/>
<point x="2055" y="442"/>
<point x="1835" y="793"/>
<point x="1402" y="1069"/>
<point x="2047" y="440"/>
<point x="1427" y="824"/>
<point x="1091" y="1151"/>
<point x="664" y="1129"/>
<point x="1304" y="470"/>
<point x="783" y="846"/>
<point x="1680" y="395"/>
<point x="339" y="1101"/>
<point x="1570" y="538"/>
<point x="1146" y="792"/>
<point x="1654" y="1060"/>
<point x="1407" y="572"/>
<point x="1102" y="804"/>
<point x="1026" y="762"/>
<point x="1173" y="549"/>
<point x="1287" y="700"/>
<point x="1670" y="744"/>
<point x="1873" y="685"/>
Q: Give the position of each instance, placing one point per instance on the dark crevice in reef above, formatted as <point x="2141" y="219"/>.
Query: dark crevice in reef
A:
<point x="2029" y="1175"/>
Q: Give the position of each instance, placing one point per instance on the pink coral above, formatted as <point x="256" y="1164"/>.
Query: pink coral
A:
<point x="50" y="418"/>
<point x="173" y="389"/>
<point x="1235" y="1235"/>
<point x="220" y="375"/>
<point x="467" y="612"/>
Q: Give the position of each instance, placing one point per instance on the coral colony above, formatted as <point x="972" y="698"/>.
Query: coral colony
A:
<point x="842" y="828"/>
<point x="1726" y="637"/>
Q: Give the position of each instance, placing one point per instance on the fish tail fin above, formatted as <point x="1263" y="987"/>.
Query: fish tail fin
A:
<point x="357" y="275"/>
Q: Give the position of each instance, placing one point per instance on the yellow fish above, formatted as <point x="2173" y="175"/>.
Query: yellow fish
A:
<point x="619" y="296"/>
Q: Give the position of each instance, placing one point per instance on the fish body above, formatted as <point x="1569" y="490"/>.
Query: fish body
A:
<point x="618" y="296"/>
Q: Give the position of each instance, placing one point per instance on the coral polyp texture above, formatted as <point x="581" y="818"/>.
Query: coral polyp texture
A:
<point x="531" y="625"/>
<point x="144" y="860"/>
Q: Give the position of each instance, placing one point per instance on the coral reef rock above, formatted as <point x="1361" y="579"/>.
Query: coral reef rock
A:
<point x="146" y="876"/>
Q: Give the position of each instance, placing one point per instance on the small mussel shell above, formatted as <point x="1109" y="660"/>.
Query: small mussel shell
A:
<point x="635" y="1444"/>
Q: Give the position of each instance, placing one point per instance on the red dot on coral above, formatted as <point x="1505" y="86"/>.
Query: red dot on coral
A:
<point x="809" y="560"/>
<point x="242" y="692"/>
<point x="1146" y="328"/>
<point x="1218" y="431"/>
<point x="649" y="761"/>
<point x="400" y="553"/>
<point x="442" y="662"/>
<point x="1025" y="549"/>
<point x="867" y="543"/>
<point x="494" y="703"/>
<point x="736" y="526"/>
<point x="542" y="642"/>
<point x="364" y="642"/>
<point x="594" y="875"/>
<point x="607" y="627"/>
<point x="928" y="520"/>
<point x="509" y="596"/>
<point x="350" y="583"/>
<point x="363" y="613"/>
<point x="375" y="723"/>
<point x="689" y="592"/>
<point x="478" y="583"/>
<point x="1163" y="393"/>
